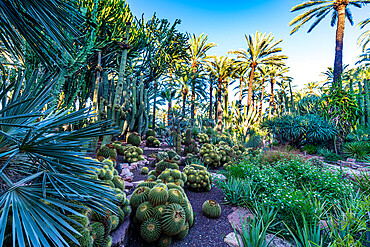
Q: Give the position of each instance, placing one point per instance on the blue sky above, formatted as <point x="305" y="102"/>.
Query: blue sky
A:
<point x="226" y="23"/>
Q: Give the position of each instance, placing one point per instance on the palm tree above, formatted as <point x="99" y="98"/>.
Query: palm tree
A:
<point x="47" y="27"/>
<point x="262" y="50"/>
<point x="198" y="47"/>
<point x="264" y="73"/>
<point x="221" y="68"/>
<point x="275" y="72"/>
<point x="317" y="11"/>
<point x="310" y="87"/>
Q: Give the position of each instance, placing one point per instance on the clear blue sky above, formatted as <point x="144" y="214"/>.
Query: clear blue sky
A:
<point x="226" y="23"/>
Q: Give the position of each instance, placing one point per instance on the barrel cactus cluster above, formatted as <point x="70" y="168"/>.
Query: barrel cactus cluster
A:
<point x="162" y="212"/>
<point x="132" y="153"/>
<point x="160" y="167"/>
<point x="151" y="141"/>
<point x="210" y="155"/>
<point x="172" y="176"/>
<point x="169" y="155"/>
<point x="203" y="138"/>
<point x="106" y="151"/>
<point x="198" y="178"/>
<point x="93" y="227"/>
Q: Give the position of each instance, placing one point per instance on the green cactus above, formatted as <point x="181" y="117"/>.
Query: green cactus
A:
<point x="144" y="211"/>
<point x="139" y="196"/>
<point x="211" y="209"/>
<point x="188" y="137"/>
<point x="173" y="219"/>
<point x="144" y="170"/>
<point x="151" y="230"/>
<point x="134" y="139"/>
<point x="158" y="195"/>
<point x="198" y="178"/>
<point x="107" y="151"/>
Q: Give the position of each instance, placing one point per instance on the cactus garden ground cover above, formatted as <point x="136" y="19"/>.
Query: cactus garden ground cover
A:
<point x="118" y="128"/>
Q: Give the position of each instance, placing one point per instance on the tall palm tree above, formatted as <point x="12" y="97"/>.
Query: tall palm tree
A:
<point x="264" y="74"/>
<point x="310" y="87"/>
<point x="262" y="50"/>
<point x="198" y="47"/>
<point x="276" y="72"/>
<point x="317" y="11"/>
<point x="221" y="68"/>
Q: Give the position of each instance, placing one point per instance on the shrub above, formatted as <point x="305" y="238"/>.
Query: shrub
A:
<point x="237" y="191"/>
<point x="271" y="157"/>
<point x="358" y="150"/>
<point x="310" y="149"/>
<point x="297" y="130"/>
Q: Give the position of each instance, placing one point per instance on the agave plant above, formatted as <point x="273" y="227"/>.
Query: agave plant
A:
<point x="358" y="150"/>
<point x="44" y="172"/>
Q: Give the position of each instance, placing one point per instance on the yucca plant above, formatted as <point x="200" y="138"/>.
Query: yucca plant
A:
<point x="358" y="150"/>
<point x="44" y="171"/>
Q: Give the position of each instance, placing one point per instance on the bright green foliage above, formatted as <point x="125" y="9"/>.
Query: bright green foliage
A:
<point x="309" y="104"/>
<point x="134" y="139"/>
<point x="211" y="209"/>
<point x="158" y="195"/>
<point x="139" y="196"/>
<point x="144" y="211"/>
<point x="198" y="178"/>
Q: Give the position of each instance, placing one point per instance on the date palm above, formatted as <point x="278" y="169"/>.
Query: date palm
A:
<point x="317" y="10"/>
<point x="275" y="72"/>
<point x="221" y="68"/>
<point x="197" y="52"/>
<point x="262" y="50"/>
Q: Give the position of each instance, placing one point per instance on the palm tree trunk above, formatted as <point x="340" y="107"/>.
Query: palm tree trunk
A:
<point x="273" y="95"/>
<point x="241" y="93"/>
<point x="361" y="102"/>
<point x="169" y="112"/>
<point x="154" y="104"/>
<point x="261" y="101"/>
<point x="210" y="100"/>
<point x="183" y="103"/>
<point x="251" y="77"/>
<point x="192" y="100"/>
<point x="291" y="97"/>
<point x="219" y="106"/>
<point x="226" y="101"/>
<point x="338" y="64"/>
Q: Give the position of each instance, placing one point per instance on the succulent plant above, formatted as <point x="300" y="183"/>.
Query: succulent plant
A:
<point x="144" y="170"/>
<point x="132" y="154"/>
<point x="203" y="138"/>
<point x="151" y="141"/>
<point x="150" y="132"/>
<point x="118" y="146"/>
<point x="107" y="151"/>
<point x="211" y="209"/>
<point x="198" y="178"/>
<point x="173" y="176"/>
<point x="164" y="164"/>
<point x="166" y="212"/>
<point x="134" y="139"/>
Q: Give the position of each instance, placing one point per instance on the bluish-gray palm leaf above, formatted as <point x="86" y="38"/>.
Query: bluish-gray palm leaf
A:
<point x="42" y="168"/>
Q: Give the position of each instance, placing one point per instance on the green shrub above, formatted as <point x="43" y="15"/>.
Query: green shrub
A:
<point x="329" y="155"/>
<point x="358" y="150"/>
<point x="310" y="149"/>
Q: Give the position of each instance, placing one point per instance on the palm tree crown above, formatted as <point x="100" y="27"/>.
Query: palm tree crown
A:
<point x="262" y="50"/>
<point x="317" y="10"/>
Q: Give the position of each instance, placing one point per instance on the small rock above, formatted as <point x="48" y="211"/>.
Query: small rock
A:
<point x="125" y="165"/>
<point x="277" y="242"/>
<point x="231" y="240"/>
<point x="135" y="183"/>
<point x="239" y="213"/>
<point x="216" y="176"/>
<point x="125" y="172"/>
<point x="128" y="185"/>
